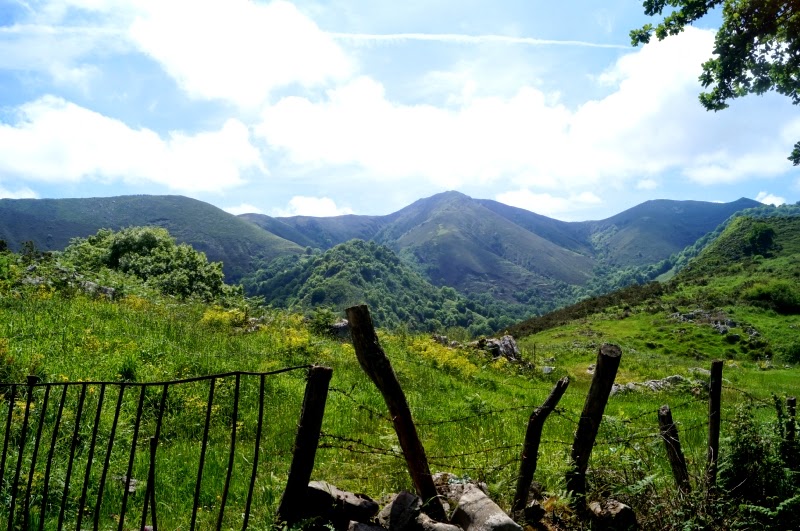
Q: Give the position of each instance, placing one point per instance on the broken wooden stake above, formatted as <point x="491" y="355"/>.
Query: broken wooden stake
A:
<point x="373" y="360"/>
<point x="608" y="358"/>
<point x="533" y="436"/>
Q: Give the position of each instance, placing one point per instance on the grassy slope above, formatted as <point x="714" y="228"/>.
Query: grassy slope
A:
<point x="654" y="230"/>
<point x="467" y="246"/>
<point x="471" y="410"/>
<point x="52" y="223"/>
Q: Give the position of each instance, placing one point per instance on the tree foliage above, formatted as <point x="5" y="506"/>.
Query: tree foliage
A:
<point x="152" y="255"/>
<point x="756" y="49"/>
<point x="358" y="272"/>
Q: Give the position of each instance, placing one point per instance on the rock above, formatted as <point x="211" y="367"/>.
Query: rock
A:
<point x="93" y="288"/>
<point x="337" y="506"/>
<point x="534" y="512"/>
<point x="340" y="329"/>
<point x="614" y="515"/>
<point x="361" y="526"/>
<point x="442" y="340"/>
<point x="547" y="369"/>
<point x="426" y="523"/>
<point x="452" y="487"/>
<point x="505" y="347"/>
<point x="401" y="513"/>
<point x="476" y="512"/>
<point x="591" y="368"/>
<point x="651" y="385"/>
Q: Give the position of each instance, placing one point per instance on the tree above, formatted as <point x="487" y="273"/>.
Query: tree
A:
<point x="757" y="47"/>
<point x="152" y="255"/>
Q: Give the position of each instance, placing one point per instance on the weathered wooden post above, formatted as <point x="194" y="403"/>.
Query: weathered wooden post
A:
<point x="305" y="445"/>
<point x="714" y="406"/>
<point x="533" y="436"/>
<point x="373" y="360"/>
<point x="608" y="359"/>
<point x="669" y="433"/>
<point x="791" y="428"/>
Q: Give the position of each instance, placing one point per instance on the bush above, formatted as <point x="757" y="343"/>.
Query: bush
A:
<point x="780" y="295"/>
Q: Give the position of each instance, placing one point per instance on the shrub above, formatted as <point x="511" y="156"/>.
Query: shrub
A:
<point x="781" y="295"/>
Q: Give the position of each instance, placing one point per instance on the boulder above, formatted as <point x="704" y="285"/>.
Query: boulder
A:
<point x="614" y="515"/>
<point x="340" y="329"/>
<point x="361" y="526"/>
<point x="401" y="513"/>
<point x="426" y="523"/>
<point x="337" y="506"/>
<point x="476" y="512"/>
<point x="451" y="487"/>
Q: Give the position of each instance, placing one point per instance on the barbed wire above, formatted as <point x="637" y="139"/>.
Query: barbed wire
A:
<point x="359" y="405"/>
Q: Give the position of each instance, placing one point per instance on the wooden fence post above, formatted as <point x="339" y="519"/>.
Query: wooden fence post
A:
<point x="373" y="360"/>
<point x="669" y="433"/>
<point x="533" y="436"/>
<point x="714" y="406"/>
<point x="791" y="429"/>
<point x="608" y="358"/>
<point x="305" y="445"/>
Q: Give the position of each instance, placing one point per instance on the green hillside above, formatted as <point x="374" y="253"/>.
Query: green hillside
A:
<point x="51" y="223"/>
<point x="654" y="230"/>
<point x="513" y="255"/>
<point x="471" y="410"/>
<point x="749" y="276"/>
<point x="359" y="272"/>
<point x="517" y="262"/>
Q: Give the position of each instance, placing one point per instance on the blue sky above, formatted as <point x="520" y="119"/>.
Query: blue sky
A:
<point x="357" y="106"/>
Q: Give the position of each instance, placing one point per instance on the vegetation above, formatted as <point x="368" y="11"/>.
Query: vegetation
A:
<point x="755" y="49"/>
<point x="359" y="272"/>
<point x="471" y="410"/>
<point x="50" y="224"/>
<point x="151" y="255"/>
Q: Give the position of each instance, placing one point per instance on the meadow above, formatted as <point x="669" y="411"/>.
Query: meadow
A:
<point x="471" y="411"/>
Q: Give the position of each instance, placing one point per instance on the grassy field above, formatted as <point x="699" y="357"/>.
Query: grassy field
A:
<point x="471" y="410"/>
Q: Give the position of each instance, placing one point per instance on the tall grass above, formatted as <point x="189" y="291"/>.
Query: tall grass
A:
<point x="471" y="411"/>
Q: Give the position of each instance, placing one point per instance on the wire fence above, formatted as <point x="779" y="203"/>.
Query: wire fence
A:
<point x="486" y="443"/>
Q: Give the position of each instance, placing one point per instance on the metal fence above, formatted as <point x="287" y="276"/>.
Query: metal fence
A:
<point x="64" y="445"/>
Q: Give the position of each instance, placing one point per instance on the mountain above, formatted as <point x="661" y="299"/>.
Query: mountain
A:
<point x="656" y="229"/>
<point x="51" y="223"/>
<point x="479" y="247"/>
<point x="482" y="246"/>
<point x="751" y="269"/>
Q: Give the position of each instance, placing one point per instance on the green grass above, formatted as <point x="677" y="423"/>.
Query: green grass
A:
<point x="471" y="411"/>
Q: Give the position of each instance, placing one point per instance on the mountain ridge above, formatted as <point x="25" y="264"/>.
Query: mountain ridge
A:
<point x="480" y="247"/>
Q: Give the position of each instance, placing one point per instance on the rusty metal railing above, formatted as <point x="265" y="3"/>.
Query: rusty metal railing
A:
<point x="77" y="428"/>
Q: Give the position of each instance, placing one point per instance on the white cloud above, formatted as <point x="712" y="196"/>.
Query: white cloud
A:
<point x="244" y="208"/>
<point x="55" y="141"/>
<point x="650" y="123"/>
<point x="647" y="184"/>
<point x="547" y="204"/>
<point x="22" y="193"/>
<point x="770" y="199"/>
<point x="60" y="51"/>
<point x="236" y="50"/>
<point x="301" y="205"/>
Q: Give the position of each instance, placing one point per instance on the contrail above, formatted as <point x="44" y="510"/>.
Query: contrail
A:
<point x="467" y="39"/>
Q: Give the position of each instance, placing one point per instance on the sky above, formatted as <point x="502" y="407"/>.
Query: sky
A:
<point x="363" y="106"/>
